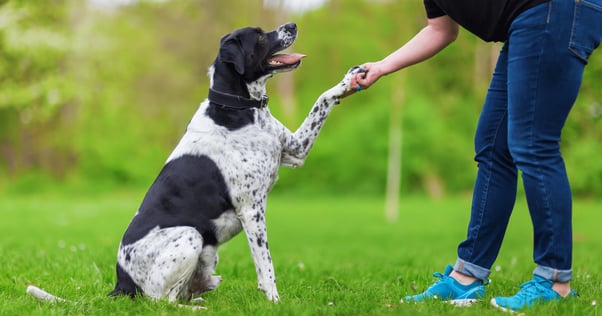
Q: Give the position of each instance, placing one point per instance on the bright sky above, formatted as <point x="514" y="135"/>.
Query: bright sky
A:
<point x="292" y="5"/>
<point x="295" y="5"/>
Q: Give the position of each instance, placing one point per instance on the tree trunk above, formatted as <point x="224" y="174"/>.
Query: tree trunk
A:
<point x="395" y="145"/>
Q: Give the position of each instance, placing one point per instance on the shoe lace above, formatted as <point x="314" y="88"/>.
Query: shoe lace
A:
<point x="442" y="277"/>
<point x="439" y="275"/>
<point x="531" y="289"/>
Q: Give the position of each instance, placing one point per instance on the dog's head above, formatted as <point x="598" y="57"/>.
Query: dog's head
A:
<point x="253" y="52"/>
<point x="251" y="55"/>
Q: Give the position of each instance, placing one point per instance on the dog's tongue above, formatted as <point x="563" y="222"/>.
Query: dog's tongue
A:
<point x="288" y="59"/>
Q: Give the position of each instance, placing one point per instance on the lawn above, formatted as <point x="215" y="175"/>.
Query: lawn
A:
<point x="332" y="255"/>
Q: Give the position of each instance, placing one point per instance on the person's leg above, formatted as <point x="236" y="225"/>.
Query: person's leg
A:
<point x="495" y="186"/>
<point x="544" y="77"/>
<point x="493" y="199"/>
<point x="543" y="82"/>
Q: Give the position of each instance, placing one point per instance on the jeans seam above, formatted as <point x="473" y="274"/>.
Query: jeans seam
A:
<point x="483" y="202"/>
<point x="541" y="183"/>
<point x="576" y="17"/>
<point x="591" y="5"/>
<point x="571" y="42"/>
<point x="541" y="176"/>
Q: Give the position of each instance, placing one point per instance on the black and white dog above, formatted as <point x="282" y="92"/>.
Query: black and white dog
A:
<point x="216" y="181"/>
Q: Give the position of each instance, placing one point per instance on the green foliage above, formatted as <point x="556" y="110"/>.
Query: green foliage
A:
<point x="349" y="262"/>
<point x="34" y="45"/>
<point x="99" y="96"/>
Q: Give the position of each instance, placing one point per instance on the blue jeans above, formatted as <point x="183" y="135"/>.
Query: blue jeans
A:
<point x="534" y="86"/>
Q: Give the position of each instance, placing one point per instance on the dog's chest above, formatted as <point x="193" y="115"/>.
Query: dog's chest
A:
<point x="248" y="158"/>
<point x="252" y="160"/>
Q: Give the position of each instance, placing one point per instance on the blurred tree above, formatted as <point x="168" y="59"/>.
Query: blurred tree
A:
<point x="100" y="95"/>
<point x="34" y="46"/>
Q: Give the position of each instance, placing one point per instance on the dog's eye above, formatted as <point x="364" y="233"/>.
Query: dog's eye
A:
<point x="261" y="39"/>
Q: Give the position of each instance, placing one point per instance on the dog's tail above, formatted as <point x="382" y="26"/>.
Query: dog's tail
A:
<point x="42" y="295"/>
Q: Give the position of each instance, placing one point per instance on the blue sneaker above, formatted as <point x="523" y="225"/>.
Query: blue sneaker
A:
<point x="449" y="290"/>
<point x="531" y="292"/>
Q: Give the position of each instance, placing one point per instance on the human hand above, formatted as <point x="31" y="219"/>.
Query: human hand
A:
<point x="372" y="73"/>
<point x="351" y="80"/>
<point x="343" y="89"/>
<point x="362" y="80"/>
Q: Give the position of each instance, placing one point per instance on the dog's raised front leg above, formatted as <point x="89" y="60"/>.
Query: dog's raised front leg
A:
<point x="296" y="146"/>
<point x="253" y="223"/>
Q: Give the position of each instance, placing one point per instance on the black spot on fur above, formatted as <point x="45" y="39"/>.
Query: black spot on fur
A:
<point x="196" y="193"/>
<point x="128" y="257"/>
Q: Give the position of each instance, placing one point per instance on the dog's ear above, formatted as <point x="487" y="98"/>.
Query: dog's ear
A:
<point x="230" y="51"/>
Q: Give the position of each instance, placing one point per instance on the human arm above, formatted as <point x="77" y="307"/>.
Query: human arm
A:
<point x="436" y="35"/>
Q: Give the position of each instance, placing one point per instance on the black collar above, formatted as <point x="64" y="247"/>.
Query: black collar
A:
<point x="235" y="101"/>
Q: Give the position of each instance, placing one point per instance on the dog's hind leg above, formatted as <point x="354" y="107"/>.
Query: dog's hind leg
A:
<point x="172" y="255"/>
<point x="203" y="279"/>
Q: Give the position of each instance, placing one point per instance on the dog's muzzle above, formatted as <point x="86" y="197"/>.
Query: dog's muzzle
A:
<point x="287" y="33"/>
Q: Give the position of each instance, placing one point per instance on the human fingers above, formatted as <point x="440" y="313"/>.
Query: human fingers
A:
<point x="356" y="82"/>
<point x="368" y="78"/>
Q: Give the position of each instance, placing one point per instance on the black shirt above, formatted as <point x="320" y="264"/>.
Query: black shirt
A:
<point x="487" y="19"/>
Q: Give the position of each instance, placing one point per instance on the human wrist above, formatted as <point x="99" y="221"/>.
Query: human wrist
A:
<point x="386" y="67"/>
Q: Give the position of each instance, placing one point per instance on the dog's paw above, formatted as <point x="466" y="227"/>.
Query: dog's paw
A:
<point x="273" y="297"/>
<point x="346" y="82"/>
<point x="197" y="300"/>
<point x="214" y="282"/>
<point x="270" y="292"/>
<point x="193" y="308"/>
<point x="356" y="70"/>
<point x="344" y="89"/>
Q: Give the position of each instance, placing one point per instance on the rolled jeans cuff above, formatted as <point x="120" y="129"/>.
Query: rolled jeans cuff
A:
<point x="472" y="270"/>
<point x="553" y="274"/>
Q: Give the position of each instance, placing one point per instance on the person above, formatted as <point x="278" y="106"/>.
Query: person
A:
<point x="536" y="80"/>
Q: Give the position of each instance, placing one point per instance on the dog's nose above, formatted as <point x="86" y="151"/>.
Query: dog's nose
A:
<point x="291" y="27"/>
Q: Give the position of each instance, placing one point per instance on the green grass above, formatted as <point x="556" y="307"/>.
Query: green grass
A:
<point x="332" y="255"/>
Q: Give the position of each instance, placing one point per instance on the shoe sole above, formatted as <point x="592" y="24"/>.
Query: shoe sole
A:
<point x="463" y="302"/>
<point x="502" y="308"/>
<point x="459" y="303"/>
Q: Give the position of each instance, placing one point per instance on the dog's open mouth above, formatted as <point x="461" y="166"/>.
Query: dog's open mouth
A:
<point x="284" y="62"/>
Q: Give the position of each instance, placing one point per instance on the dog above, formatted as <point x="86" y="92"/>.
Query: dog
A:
<point x="216" y="181"/>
